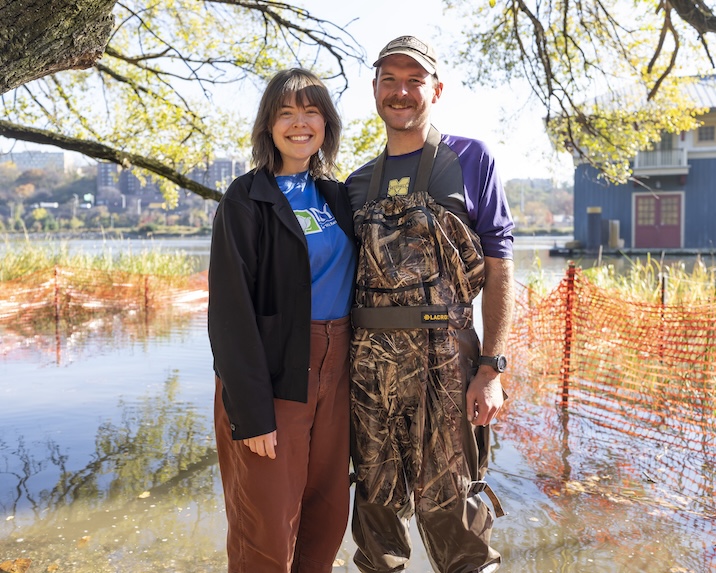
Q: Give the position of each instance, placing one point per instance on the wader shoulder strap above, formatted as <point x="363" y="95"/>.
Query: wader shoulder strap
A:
<point x="425" y="167"/>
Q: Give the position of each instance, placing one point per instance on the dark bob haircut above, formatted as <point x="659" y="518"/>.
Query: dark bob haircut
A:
<point x="309" y="90"/>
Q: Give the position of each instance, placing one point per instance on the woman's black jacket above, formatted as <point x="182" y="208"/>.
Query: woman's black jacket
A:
<point x="260" y="298"/>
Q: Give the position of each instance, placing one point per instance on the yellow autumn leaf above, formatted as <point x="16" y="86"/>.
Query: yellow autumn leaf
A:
<point x="16" y="566"/>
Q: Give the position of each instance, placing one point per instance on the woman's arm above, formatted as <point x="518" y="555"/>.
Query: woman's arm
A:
<point x="237" y="346"/>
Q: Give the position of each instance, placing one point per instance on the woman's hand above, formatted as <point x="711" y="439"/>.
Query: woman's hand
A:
<point x="264" y="445"/>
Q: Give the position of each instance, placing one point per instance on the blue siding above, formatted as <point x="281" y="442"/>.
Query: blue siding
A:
<point x="616" y="202"/>
<point x="700" y="205"/>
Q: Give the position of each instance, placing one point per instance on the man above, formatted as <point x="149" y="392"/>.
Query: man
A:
<point x="423" y="393"/>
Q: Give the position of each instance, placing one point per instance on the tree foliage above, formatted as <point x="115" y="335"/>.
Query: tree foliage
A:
<point x="176" y="84"/>
<point x="535" y="202"/>
<point x="609" y="74"/>
<point x="361" y="141"/>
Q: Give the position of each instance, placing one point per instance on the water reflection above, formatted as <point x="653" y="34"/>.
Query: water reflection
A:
<point x="149" y="485"/>
<point x="107" y="465"/>
<point x="597" y="509"/>
<point x="67" y="343"/>
<point x="62" y="318"/>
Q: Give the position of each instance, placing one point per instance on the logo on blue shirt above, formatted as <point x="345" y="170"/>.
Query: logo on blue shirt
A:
<point x="314" y="220"/>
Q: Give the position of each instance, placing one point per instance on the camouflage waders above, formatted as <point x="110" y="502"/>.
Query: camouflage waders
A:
<point x="413" y="353"/>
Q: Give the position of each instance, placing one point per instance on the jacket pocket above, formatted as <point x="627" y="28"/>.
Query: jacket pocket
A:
<point x="270" y="332"/>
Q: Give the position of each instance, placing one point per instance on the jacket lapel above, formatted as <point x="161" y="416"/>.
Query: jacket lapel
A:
<point x="266" y="189"/>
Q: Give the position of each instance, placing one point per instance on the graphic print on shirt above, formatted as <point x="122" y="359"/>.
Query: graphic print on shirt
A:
<point x="308" y="222"/>
<point x="314" y="220"/>
<point x="398" y="187"/>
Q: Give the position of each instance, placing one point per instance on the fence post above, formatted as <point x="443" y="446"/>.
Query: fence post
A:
<point x="57" y="315"/>
<point x="146" y="294"/>
<point x="568" y="334"/>
<point x="57" y="297"/>
<point x="664" y="287"/>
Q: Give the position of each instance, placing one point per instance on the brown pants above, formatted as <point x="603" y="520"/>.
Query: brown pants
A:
<point x="289" y="514"/>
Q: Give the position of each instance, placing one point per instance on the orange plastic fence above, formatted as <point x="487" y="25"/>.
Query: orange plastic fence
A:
<point x="630" y="380"/>
<point x="55" y="304"/>
<point x="62" y="291"/>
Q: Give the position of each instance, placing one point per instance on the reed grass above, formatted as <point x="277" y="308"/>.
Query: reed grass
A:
<point x="22" y="258"/>
<point x="652" y="279"/>
<point x="643" y="280"/>
<point x="536" y="280"/>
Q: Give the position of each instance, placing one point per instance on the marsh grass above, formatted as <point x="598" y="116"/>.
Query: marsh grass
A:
<point x="647" y="281"/>
<point x="44" y="284"/>
<point x="22" y="258"/>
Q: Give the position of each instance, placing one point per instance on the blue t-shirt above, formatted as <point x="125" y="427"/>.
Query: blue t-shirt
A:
<point x="330" y="252"/>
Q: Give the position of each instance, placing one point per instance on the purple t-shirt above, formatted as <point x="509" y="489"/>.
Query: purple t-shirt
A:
<point x="464" y="180"/>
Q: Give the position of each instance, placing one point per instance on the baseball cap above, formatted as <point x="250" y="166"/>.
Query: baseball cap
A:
<point x="420" y="51"/>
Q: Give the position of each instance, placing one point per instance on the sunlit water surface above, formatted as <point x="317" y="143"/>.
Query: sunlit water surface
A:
<point x="107" y="463"/>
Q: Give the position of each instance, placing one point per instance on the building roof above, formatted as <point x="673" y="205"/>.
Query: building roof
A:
<point x="702" y="91"/>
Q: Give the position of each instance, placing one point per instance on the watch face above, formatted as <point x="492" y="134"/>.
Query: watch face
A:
<point x="501" y="363"/>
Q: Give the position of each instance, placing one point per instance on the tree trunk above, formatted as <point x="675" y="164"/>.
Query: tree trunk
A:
<point x="41" y="37"/>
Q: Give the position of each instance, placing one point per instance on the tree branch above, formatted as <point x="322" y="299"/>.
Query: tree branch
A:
<point x="668" y="25"/>
<point x="696" y="14"/>
<point x="152" y="45"/>
<point x="699" y="16"/>
<point x="334" y="45"/>
<point x="106" y="153"/>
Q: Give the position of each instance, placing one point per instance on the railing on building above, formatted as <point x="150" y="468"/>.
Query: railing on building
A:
<point x="667" y="161"/>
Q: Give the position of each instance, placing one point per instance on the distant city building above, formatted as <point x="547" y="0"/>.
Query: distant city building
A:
<point x="110" y="176"/>
<point x="220" y="173"/>
<point x="107" y="175"/>
<point x="26" y="160"/>
<point x="130" y="184"/>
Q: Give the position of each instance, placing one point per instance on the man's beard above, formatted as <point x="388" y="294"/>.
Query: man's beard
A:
<point x="407" y="124"/>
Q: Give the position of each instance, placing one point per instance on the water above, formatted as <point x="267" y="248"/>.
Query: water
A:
<point x="107" y="463"/>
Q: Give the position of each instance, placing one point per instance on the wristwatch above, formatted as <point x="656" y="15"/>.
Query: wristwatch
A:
<point x="498" y="362"/>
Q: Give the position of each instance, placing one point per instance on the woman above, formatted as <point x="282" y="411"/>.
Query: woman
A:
<point x="280" y="287"/>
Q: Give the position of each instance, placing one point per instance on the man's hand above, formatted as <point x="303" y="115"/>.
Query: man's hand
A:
<point x="264" y="445"/>
<point x="484" y="396"/>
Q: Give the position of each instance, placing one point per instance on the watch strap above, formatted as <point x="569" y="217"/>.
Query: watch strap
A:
<point x="494" y="361"/>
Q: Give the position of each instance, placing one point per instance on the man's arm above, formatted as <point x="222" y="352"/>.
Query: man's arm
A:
<point x="484" y="394"/>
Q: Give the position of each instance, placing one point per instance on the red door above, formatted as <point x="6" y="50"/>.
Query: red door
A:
<point x="657" y="221"/>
